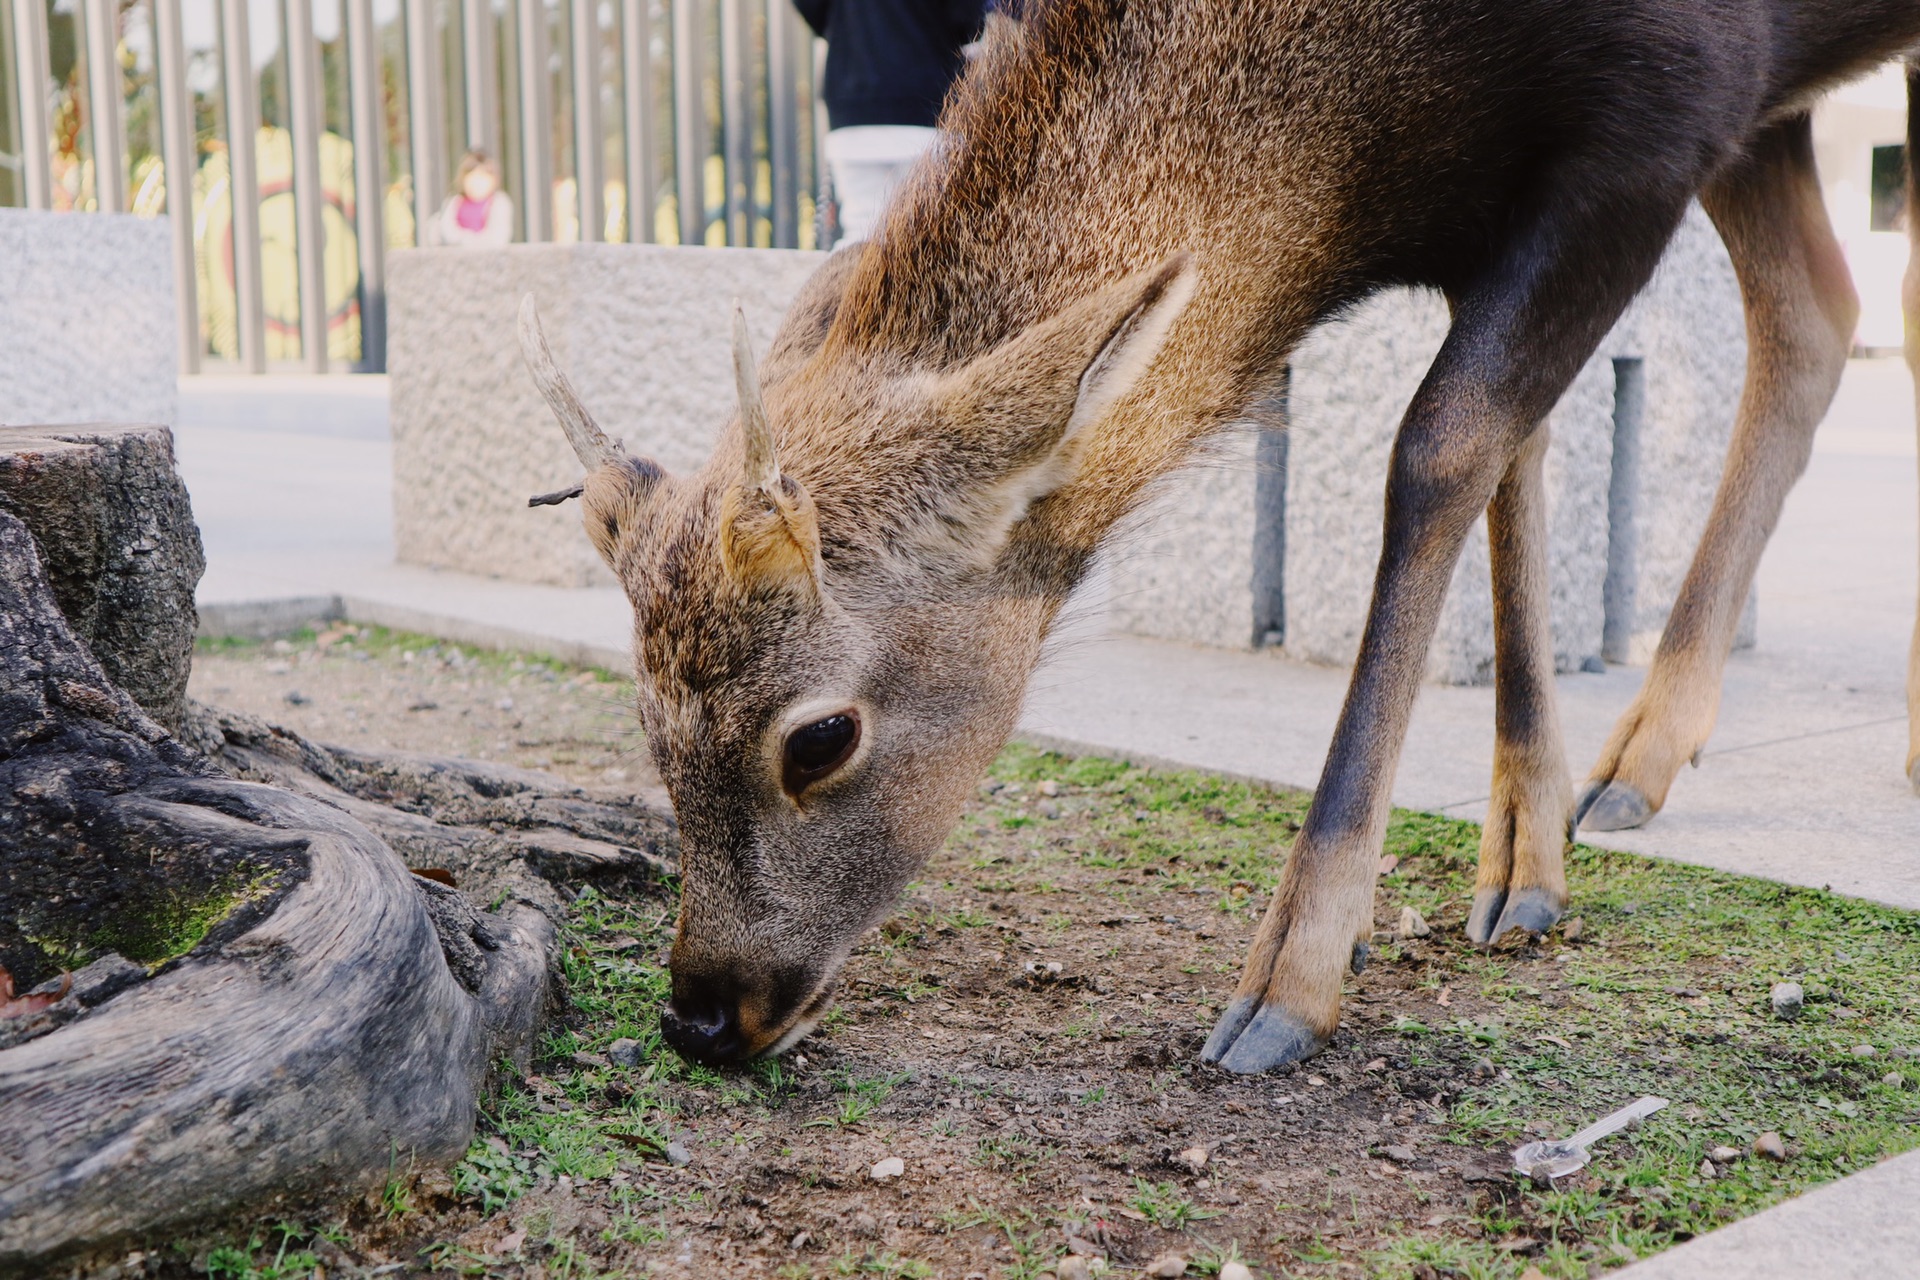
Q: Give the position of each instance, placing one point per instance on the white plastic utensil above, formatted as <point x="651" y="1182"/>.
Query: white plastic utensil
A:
<point x="1545" y="1161"/>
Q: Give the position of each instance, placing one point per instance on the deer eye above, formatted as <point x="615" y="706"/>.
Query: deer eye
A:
<point x="815" y="750"/>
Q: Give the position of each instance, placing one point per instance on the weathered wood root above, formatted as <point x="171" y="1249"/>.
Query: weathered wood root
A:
<point x="498" y="828"/>
<point x="315" y="1027"/>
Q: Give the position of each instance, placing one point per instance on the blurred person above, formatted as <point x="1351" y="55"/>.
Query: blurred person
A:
<point x="478" y="213"/>
<point x="889" y="66"/>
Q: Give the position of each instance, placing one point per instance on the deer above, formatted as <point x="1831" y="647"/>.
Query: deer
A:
<point x="1135" y="211"/>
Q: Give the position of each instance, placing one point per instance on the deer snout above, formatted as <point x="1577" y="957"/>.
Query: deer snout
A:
<point x="727" y="1013"/>
<point x="703" y="1029"/>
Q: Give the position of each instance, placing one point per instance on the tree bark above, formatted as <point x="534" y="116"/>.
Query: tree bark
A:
<point x="267" y="1002"/>
<point x="118" y="540"/>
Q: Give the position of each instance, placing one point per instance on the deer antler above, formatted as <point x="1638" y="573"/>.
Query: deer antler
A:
<point x="593" y="446"/>
<point x="763" y="467"/>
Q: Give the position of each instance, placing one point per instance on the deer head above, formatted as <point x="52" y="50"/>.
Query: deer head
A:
<point x="834" y="621"/>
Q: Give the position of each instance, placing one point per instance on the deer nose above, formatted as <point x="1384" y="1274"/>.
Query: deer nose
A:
<point x="703" y="1031"/>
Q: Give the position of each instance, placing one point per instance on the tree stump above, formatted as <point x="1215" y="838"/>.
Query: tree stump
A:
<point x="261" y="999"/>
<point x="120" y="548"/>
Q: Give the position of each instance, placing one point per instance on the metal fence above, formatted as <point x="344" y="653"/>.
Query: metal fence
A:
<point x="602" y="115"/>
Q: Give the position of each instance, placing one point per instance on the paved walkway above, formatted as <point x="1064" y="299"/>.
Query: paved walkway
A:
<point x="1801" y="782"/>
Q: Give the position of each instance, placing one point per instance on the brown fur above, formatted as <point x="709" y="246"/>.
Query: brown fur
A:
<point x="1136" y="211"/>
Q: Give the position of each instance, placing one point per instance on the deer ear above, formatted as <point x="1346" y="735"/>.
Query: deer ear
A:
<point x="769" y="530"/>
<point x="1019" y="411"/>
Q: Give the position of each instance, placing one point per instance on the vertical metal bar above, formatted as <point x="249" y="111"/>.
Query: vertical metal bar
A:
<point x="103" y="102"/>
<point x="425" y="90"/>
<point x="506" y="33"/>
<point x="536" y="130"/>
<point x="589" y="151"/>
<point x="785" y="41"/>
<point x="483" y="109"/>
<point x="303" y="120"/>
<point x="177" y="156"/>
<point x="689" y="125"/>
<point x="243" y="185"/>
<point x="736" y="118"/>
<point x="369" y="181"/>
<point x="33" y="71"/>
<point x="636" y="79"/>
<point x="822" y="172"/>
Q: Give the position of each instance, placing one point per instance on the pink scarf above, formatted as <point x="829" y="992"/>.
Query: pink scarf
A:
<point x="472" y="214"/>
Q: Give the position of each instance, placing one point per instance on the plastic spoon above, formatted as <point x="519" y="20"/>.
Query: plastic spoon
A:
<point x="1545" y="1161"/>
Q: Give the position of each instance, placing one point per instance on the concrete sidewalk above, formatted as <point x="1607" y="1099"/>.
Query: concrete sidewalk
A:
<point x="1801" y="782"/>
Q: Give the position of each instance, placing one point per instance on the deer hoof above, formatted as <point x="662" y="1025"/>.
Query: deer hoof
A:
<point x="1252" y="1037"/>
<point x="1611" y="806"/>
<point x="1534" y="910"/>
<point x="1495" y="911"/>
<point x="1487" y="906"/>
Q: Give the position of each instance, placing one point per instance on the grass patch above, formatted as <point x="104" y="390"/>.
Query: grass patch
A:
<point x="1666" y="992"/>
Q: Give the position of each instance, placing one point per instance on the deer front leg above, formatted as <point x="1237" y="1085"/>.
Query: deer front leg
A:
<point x="1801" y="311"/>
<point x="1319" y="922"/>
<point x="1523" y="881"/>
<point x="1520" y="333"/>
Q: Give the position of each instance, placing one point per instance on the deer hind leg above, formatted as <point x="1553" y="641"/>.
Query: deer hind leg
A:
<point x="1801" y="311"/>
<point x="1911" y="298"/>
<point x="1519" y="335"/>
<point x="1523" y="880"/>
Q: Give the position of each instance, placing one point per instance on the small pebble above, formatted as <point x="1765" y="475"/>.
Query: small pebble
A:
<point x="1788" y="999"/>
<point x="1230" y="1271"/>
<point x="677" y="1154"/>
<point x="295" y="698"/>
<point x="1048" y="787"/>
<point x="1707" y="1170"/>
<point x="624" y="1053"/>
<point x="891" y="1167"/>
<point x="1770" y="1146"/>
<point x="1412" y="924"/>
<point x="1572" y="929"/>
<point x="1047" y="809"/>
<point x="505" y="704"/>
<point x="1724" y="1155"/>
<point x="1399" y="1154"/>
<point x="1864" y="1051"/>
<point x="1074" y="1267"/>
<point x="1168" y="1266"/>
<point x="1893" y="1079"/>
<point x="1193" y="1159"/>
<point x="1483" y="1069"/>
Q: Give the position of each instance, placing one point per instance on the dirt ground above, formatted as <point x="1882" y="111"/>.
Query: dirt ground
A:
<point x="1022" y="1038"/>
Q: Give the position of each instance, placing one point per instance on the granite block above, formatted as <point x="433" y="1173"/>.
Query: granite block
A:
<point x="641" y="329"/>
<point x="1620" y="539"/>
<point x="87" y="319"/>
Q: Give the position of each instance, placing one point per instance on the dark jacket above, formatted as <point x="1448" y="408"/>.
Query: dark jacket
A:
<point x="890" y="61"/>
